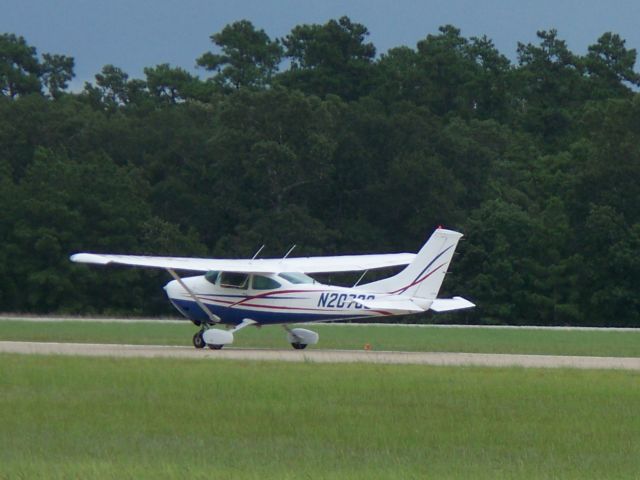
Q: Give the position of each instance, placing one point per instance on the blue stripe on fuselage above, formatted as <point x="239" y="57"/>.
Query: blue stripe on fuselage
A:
<point x="234" y="316"/>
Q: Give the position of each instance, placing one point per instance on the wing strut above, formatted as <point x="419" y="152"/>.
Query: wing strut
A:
<point x="212" y="316"/>
<point x="360" y="279"/>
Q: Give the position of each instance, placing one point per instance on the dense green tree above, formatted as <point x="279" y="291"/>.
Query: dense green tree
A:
<point x="538" y="163"/>
<point x="609" y="279"/>
<point x="610" y="64"/>
<point x="22" y="72"/>
<point x="491" y="85"/>
<point x="67" y="206"/>
<point x="329" y="59"/>
<point x="8" y="287"/>
<point x="19" y="67"/>
<point x="446" y="71"/>
<point x="609" y="157"/>
<point x="26" y="123"/>
<point x="57" y="72"/>
<point x="169" y="84"/>
<point x="276" y="146"/>
<point x="113" y="89"/>
<point x="249" y="57"/>
<point x="396" y="76"/>
<point x="550" y="81"/>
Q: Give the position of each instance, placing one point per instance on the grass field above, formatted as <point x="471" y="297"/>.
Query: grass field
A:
<point x="432" y="339"/>
<point x="66" y="418"/>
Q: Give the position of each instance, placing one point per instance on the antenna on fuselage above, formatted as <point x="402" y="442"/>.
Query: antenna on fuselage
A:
<point x="258" y="252"/>
<point x="287" y="254"/>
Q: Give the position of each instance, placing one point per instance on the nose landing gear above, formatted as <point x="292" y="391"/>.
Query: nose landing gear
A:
<point x="198" y="340"/>
<point x="216" y="338"/>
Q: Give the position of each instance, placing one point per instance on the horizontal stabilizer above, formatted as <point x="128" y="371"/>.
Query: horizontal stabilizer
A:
<point x="405" y="305"/>
<point x="448" y="304"/>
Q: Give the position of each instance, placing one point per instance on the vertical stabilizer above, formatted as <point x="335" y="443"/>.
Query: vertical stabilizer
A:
<point x="423" y="277"/>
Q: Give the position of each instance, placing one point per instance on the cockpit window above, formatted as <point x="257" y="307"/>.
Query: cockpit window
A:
<point x="264" y="283"/>
<point x="211" y="276"/>
<point x="234" y="280"/>
<point x="296" y="277"/>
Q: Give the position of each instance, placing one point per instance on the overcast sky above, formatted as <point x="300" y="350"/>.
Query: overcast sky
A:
<point x="133" y="34"/>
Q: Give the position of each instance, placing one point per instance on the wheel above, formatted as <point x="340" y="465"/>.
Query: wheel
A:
<point x="299" y="346"/>
<point x="215" y="347"/>
<point x="198" y="341"/>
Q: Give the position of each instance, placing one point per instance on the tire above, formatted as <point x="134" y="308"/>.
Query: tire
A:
<point x="198" y="341"/>
<point x="299" y="346"/>
<point x="215" y="347"/>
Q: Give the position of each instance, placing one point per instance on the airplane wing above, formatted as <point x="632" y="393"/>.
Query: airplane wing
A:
<point x="448" y="304"/>
<point x="341" y="263"/>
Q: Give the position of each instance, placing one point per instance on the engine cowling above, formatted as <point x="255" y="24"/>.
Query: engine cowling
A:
<point x="303" y="336"/>
<point x="215" y="336"/>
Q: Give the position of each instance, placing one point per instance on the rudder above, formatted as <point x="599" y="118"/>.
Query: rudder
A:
<point x="423" y="277"/>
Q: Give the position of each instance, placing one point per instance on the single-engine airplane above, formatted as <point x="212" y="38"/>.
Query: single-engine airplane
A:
<point x="240" y="293"/>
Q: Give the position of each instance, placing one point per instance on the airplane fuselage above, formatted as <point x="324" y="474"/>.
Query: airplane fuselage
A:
<point x="289" y="303"/>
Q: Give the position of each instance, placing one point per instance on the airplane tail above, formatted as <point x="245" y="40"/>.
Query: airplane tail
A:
<point x="423" y="277"/>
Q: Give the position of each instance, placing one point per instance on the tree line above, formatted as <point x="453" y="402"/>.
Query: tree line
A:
<point x="316" y="140"/>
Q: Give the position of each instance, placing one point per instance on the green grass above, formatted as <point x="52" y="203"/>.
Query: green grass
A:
<point x="66" y="418"/>
<point x="433" y="339"/>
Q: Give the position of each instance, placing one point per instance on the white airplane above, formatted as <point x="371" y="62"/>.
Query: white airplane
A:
<point x="239" y="293"/>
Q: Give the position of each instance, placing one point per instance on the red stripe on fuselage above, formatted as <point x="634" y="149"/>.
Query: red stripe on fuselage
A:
<point x="278" y="307"/>
<point x="308" y="309"/>
<point x="274" y="292"/>
<point x="403" y="289"/>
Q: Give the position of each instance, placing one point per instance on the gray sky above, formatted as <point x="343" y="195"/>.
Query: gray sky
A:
<point x="133" y="34"/>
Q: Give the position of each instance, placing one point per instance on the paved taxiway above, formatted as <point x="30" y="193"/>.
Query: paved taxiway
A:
<point x="323" y="356"/>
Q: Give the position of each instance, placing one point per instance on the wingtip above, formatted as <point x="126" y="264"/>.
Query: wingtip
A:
<point x="88" y="258"/>
<point x="469" y="303"/>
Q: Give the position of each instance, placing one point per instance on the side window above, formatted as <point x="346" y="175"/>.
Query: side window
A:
<point x="264" y="283"/>
<point x="234" y="280"/>
<point x="296" y="277"/>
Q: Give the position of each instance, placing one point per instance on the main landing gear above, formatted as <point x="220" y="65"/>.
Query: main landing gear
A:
<point x="198" y="341"/>
<point x="299" y="338"/>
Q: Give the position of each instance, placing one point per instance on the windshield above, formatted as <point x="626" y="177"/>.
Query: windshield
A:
<point x="211" y="276"/>
<point x="296" y="277"/>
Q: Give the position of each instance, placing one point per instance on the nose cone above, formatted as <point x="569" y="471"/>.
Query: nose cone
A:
<point x="172" y="289"/>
